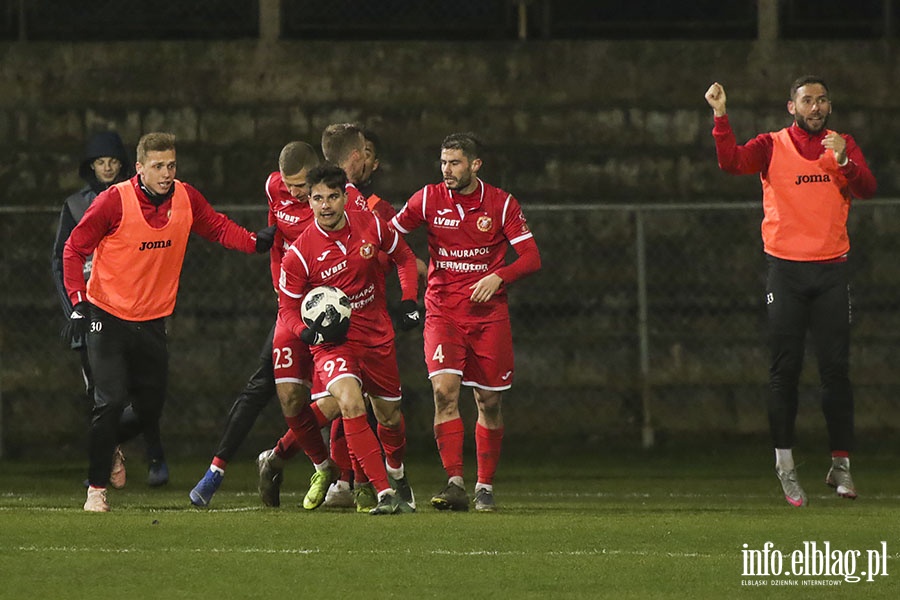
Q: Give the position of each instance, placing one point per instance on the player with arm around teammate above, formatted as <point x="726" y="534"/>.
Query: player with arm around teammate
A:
<point x="137" y="231"/>
<point x="809" y="175"/>
<point x="340" y="249"/>
<point x="468" y="338"/>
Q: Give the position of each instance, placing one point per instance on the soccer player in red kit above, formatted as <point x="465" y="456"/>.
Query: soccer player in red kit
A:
<point x="344" y="145"/>
<point x="468" y="339"/>
<point x="341" y="249"/>
<point x="290" y="214"/>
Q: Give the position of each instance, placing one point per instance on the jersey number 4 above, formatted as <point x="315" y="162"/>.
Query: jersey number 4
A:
<point x="438" y="354"/>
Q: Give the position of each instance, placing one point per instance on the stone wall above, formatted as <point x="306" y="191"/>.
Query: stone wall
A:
<point x="566" y="121"/>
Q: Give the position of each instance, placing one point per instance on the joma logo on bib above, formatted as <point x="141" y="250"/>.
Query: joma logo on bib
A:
<point x="155" y="245"/>
<point x="812" y="179"/>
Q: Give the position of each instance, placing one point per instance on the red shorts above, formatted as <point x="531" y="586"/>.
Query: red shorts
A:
<point x="480" y="353"/>
<point x="291" y="357"/>
<point x="374" y="368"/>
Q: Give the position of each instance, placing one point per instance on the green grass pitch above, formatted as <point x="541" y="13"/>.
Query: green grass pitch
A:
<point x="581" y="524"/>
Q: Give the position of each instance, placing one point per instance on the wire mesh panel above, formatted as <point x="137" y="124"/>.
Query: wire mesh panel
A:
<point x="398" y="19"/>
<point x="9" y="19"/>
<point x="864" y="19"/>
<point x="649" y="19"/>
<point x="577" y="331"/>
<point x="106" y="20"/>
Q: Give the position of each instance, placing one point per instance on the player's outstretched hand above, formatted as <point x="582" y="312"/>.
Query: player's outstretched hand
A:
<point x="409" y="315"/>
<point x="265" y="238"/>
<point x="715" y="97"/>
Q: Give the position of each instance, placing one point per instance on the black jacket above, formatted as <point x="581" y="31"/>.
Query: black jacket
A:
<point x="106" y="143"/>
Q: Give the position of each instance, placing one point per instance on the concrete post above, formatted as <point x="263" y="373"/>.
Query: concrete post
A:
<point x="269" y="20"/>
<point x="767" y="21"/>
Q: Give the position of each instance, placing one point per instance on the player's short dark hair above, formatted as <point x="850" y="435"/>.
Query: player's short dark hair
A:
<point x="329" y="174"/>
<point x="806" y="80"/>
<point x="295" y="157"/>
<point x="156" y="141"/>
<point x="339" y="140"/>
<point x="373" y="137"/>
<point x="466" y="141"/>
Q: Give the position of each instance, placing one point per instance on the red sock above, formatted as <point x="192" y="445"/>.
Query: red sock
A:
<point x="340" y="453"/>
<point x="487" y="448"/>
<point x="321" y="420"/>
<point x="219" y="463"/>
<point x="359" y="476"/>
<point x="362" y="442"/>
<point x="394" y="443"/>
<point x="287" y="447"/>
<point x="840" y="454"/>
<point x="309" y="435"/>
<point x="449" y="437"/>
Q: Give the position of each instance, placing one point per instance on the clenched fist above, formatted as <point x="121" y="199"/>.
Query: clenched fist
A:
<point x="715" y="97"/>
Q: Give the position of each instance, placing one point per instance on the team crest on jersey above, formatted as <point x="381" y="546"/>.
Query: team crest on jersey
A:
<point x="367" y="250"/>
<point x="484" y="223"/>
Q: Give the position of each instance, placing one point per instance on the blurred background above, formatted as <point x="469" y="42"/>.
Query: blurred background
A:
<point x="645" y="325"/>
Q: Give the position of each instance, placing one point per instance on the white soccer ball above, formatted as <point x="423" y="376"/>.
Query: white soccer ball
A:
<point x="328" y="300"/>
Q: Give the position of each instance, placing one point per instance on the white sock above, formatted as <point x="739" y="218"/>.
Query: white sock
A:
<point x="784" y="459"/>
<point x="216" y="469"/>
<point x="484" y="486"/>
<point x="395" y="473"/>
<point x="323" y="466"/>
<point x="457" y="480"/>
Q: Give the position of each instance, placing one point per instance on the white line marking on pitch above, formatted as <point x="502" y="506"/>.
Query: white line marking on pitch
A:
<point x="393" y="552"/>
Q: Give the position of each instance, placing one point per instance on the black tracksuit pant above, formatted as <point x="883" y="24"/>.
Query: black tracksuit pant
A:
<point x="258" y="391"/>
<point x="130" y="425"/>
<point x="130" y="363"/>
<point x="813" y="297"/>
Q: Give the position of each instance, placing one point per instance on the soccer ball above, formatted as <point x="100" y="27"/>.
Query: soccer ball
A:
<point x="328" y="300"/>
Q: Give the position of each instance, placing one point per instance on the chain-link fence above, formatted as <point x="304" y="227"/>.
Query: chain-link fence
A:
<point x="645" y="320"/>
<point x="134" y="20"/>
<point x="130" y="20"/>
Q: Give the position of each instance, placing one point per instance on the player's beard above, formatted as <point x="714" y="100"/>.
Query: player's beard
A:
<point x="802" y="124"/>
<point x="458" y="184"/>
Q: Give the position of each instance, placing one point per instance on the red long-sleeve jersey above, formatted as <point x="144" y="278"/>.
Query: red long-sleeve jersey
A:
<point x="467" y="239"/>
<point x="103" y="216"/>
<point x="348" y="259"/>
<point x="291" y="217"/>
<point x="755" y="155"/>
